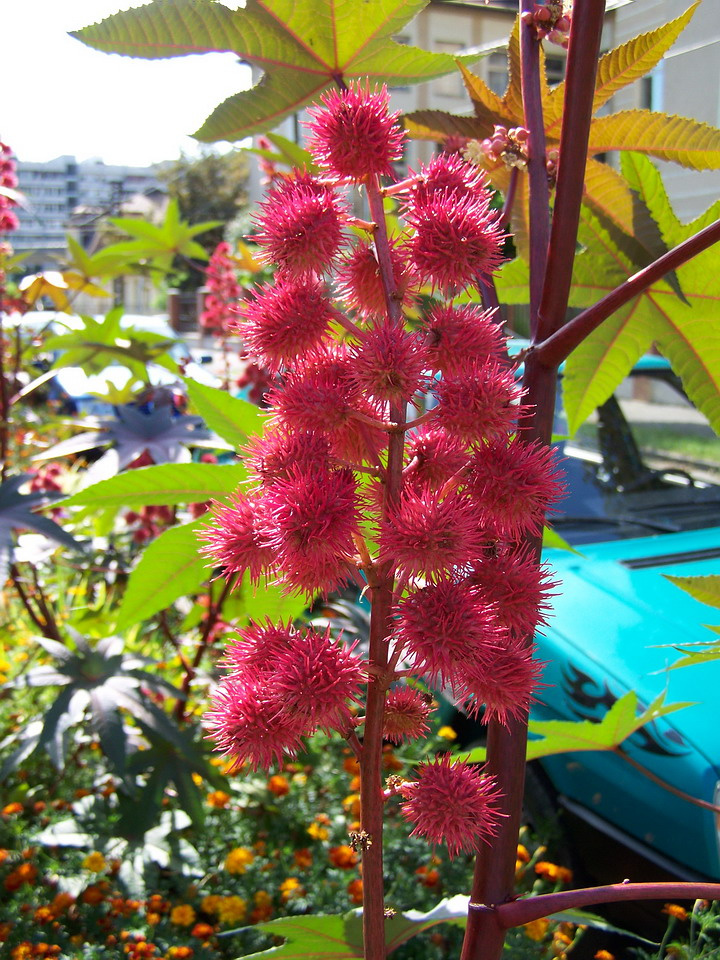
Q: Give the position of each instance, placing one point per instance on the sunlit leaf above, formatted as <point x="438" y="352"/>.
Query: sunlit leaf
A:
<point x="303" y="48"/>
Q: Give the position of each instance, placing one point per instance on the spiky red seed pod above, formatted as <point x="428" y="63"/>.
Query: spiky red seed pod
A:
<point x="462" y="335"/>
<point x="389" y="363"/>
<point x="427" y="535"/>
<point x="520" y="588"/>
<point x="359" y="283"/>
<point x="301" y="225"/>
<point x="448" y="172"/>
<point x="285" y="320"/>
<point x="455" y="240"/>
<point x="480" y="402"/>
<point x="257" y="649"/>
<point x="504" y="684"/>
<point x="453" y="803"/>
<point x="250" y="727"/>
<point x="316" y="678"/>
<point x="434" y="456"/>
<point x="318" y="395"/>
<point x="446" y="624"/>
<point x="514" y="483"/>
<point x="355" y="137"/>
<point x="273" y="455"/>
<point x="406" y="713"/>
<point x="236" y="538"/>
<point x="314" y="516"/>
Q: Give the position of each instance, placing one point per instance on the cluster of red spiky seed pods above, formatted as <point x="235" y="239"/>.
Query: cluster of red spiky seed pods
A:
<point x="391" y="458"/>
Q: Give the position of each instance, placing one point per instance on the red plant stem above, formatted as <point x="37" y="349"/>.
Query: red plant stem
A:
<point x="382" y="592"/>
<point x="510" y="197"/>
<point x="494" y="878"/>
<point x="537" y="164"/>
<point x="524" y="911"/>
<point x="4" y="403"/>
<point x="577" y="112"/>
<point x="560" y="345"/>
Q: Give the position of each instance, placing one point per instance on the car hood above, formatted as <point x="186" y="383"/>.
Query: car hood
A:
<point x="614" y="607"/>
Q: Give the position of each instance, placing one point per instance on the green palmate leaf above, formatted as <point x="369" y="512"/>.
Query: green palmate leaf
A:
<point x="303" y="48"/>
<point x="171" y="566"/>
<point x="704" y="589"/>
<point x="313" y="938"/>
<point x="164" y="485"/>
<point x="688" y="142"/>
<point x="569" y="736"/>
<point x="685" y="329"/>
<point x="232" y="418"/>
<point x="551" y="538"/>
<point x="624" y="65"/>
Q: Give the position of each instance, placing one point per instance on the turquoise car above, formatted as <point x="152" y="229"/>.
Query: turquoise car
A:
<point x="615" y="623"/>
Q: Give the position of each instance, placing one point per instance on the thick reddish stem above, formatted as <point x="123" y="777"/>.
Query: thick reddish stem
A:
<point x="525" y="911"/>
<point x="577" y="112"/>
<point x="560" y="345"/>
<point x="537" y="167"/>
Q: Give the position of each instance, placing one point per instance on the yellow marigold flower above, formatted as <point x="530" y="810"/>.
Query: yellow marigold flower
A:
<point x="218" y="799"/>
<point x="183" y="915"/>
<point x="238" y="860"/>
<point x="300" y="779"/>
<point x="95" y="862"/>
<point x="210" y="904"/>
<point x="447" y="733"/>
<point x="537" y="929"/>
<point x="291" y="888"/>
<point x="675" y="910"/>
<point x="551" y="871"/>
<point x="317" y="832"/>
<point x="351" y="804"/>
<point x="153" y="918"/>
<point x="604" y="955"/>
<point x="11" y="809"/>
<point x="278" y="785"/>
<point x="522" y="853"/>
<point x="232" y="909"/>
<point x="197" y="779"/>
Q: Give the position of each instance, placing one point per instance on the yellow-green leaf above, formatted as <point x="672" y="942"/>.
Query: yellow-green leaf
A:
<point x="688" y="142"/>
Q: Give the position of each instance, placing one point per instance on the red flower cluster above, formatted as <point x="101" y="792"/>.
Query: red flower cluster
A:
<point x="220" y="303"/>
<point x="8" y="182"/>
<point x="440" y="516"/>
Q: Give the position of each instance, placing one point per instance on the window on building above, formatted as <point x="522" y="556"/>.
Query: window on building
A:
<point x="651" y="89"/>
<point x="450" y="85"/>
<point x="496" y="73"/>
<point x="555" y="69"/>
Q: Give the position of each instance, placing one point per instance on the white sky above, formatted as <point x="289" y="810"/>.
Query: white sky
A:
<point x="61" y="97"/>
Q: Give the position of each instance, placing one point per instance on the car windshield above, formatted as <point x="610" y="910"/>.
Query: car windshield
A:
<point x="646" y="462"/>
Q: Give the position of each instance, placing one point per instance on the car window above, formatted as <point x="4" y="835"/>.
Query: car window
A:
<point x="646" y="462"/>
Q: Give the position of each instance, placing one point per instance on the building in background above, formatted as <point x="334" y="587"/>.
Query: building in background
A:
<point x="64" y="192"/>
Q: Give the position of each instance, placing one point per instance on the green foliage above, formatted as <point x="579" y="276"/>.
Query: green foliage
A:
<point x="165" y="484"/>
<point x="233" y="419"/>
<point x="622" y="720"/>
<point x="302" y="48"/>
<point x="706" y="590"/>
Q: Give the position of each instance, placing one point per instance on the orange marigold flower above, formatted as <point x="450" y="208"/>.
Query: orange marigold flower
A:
<point x="60" y="902"/>
<point x="551" y="871"/>
<point x="522" y="853"/>
<point x="278" y="785"/>
<point x="351" y="765"/>
<point x="238" y="860"/>
<point x="5" y="931"/>
<point x="179" y="953"/>
<point x="218" y="799"/>
<point x="355" y="784"/>
<point x="355" y="890"/>
<point x="537" y="929"/>
<point x="12" y="808"/>
<point x="604" y="955"/>
<point x="323" y="818"/>
<point x="153" y="918"/>
<point x="351" y="805"/>
<point x="303" y="858"/>
<point x="156" y="903"/>
<point x="43" y="915"/>
<point x="343" y="857"/>
<point x="427" y="876"/>
<point x="94" y="894"/>
<point x="675" y="910"/>
<point x="202" y="931"/>
<point x="390" y="761"/>
<point x="4" y="854"/>
<point x="183" y="915"/>
<point x="24" y="873"/>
